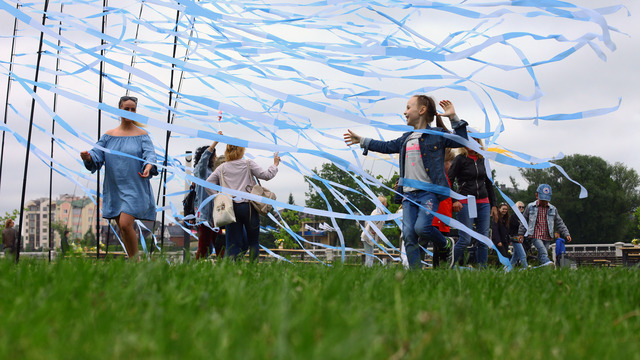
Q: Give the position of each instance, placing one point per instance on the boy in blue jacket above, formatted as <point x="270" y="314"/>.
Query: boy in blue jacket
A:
<point x="542" y="218"/>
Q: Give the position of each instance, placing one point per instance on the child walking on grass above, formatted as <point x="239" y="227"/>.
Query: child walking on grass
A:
<point x="421" y="167"/>
<point x="542" y="218"/>
<point x="369" y="237"/>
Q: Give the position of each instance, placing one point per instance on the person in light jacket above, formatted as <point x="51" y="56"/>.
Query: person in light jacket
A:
<point x="237" y="174"/>
<point x="369" y="237"/>
<point x="542" y="218"/>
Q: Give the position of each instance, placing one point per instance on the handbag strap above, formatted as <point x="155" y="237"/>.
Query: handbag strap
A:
<point x="222" y="182"/>
<point x="251" y="176"/>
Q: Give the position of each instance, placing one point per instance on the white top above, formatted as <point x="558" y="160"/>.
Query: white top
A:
<point x="369" y="235"/>
<point x="238" y="174"/>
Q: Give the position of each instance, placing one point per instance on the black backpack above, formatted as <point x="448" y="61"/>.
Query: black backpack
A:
<point x="189" y="201"/>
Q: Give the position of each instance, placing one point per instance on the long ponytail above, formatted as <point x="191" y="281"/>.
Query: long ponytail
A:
<point x="426" y="100"/>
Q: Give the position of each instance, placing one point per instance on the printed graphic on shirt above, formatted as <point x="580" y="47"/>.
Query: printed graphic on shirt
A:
<point x="413" y="152"/>
<point x="414" y="166"/>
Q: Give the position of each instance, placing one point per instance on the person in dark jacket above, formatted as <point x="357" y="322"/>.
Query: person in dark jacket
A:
<point x="468" y="175"/>
<point x="204" y="161"/>
<point x="64" y="242"/>
<point x="422" y="178"/>
<point x="500" y="230"/>
<point x="9" y="239"/>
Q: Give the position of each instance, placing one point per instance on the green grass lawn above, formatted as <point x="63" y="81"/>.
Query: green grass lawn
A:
<point x="81" y="309"/>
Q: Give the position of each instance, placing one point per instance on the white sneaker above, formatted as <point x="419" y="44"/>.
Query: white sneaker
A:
<point x="549" y="264"/>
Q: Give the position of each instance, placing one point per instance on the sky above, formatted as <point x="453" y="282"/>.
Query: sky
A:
<point x="581" y="82"/>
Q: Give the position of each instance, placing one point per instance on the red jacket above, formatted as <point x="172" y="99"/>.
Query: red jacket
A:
<point x="445" y="208"/>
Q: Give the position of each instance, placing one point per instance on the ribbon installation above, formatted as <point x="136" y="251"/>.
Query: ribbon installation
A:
<point x="289" y="77"/>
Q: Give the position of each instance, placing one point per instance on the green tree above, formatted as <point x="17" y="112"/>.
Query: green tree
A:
<point x="60" y="228"/>
<point x="356" y="199"/>
<point x="605" y="215"/>
<point x="292" y="218"/>
<point x="513" y="192"/>
<point x="269" y="238"/>
<point x="89" y="239"/>
<point x="635" y="231"/>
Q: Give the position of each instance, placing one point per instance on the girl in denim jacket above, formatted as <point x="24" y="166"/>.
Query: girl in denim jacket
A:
<point x="422" y="178"/>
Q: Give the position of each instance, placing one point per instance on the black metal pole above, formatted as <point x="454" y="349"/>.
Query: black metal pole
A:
<point x="163" y="178"/>
<point x="26" y="157"/>
<point x="108" y="236"/>
<point x="53" y="131"/>
<point x="6" y="103"/>
<point x="133" y="57"/>
<point x="180" y="82"/>
<point x="100" y="100"/>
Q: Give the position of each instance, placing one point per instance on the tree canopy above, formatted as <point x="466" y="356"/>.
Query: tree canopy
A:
<point x="606" y="214"/>
<point x="356" y="200"/>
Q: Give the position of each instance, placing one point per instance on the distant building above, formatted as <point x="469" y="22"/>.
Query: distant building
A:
<point x="36" y="223"/>
<point x="175" y="234"/>
<point x="77" y="213"/>
<point x="313" y="229"/>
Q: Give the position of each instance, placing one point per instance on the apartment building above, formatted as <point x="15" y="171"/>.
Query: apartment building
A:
<point x="77" y="213"/>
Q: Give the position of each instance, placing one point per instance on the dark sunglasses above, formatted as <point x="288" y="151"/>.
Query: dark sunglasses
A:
<point x="126" y="98"/>
<point x="520" y="207"/>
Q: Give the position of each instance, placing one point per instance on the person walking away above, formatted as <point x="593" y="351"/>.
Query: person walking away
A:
<point x="238" y="175"/>
<point x="369" y="237"/>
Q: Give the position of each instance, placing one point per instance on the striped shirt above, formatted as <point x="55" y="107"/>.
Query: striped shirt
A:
<point x="541" y="230"/>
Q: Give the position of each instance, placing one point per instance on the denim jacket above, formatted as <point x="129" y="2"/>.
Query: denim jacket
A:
<point x="203" y="171"/>
<point x="431" y="147"/>
<point x="553" y="220"/>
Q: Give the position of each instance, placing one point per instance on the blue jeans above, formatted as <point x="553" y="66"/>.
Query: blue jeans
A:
<point x="243" y="234"/>
<point x="482" y="227"/>
<point x="417" y="222"/>
<point x="518" y="255"/>
<point x="541" y="246"/>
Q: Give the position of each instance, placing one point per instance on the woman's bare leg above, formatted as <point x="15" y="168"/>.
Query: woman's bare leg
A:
<point x="129" y="237"/>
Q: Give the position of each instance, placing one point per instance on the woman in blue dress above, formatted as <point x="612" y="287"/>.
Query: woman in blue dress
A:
<point x="127" y="193"/>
